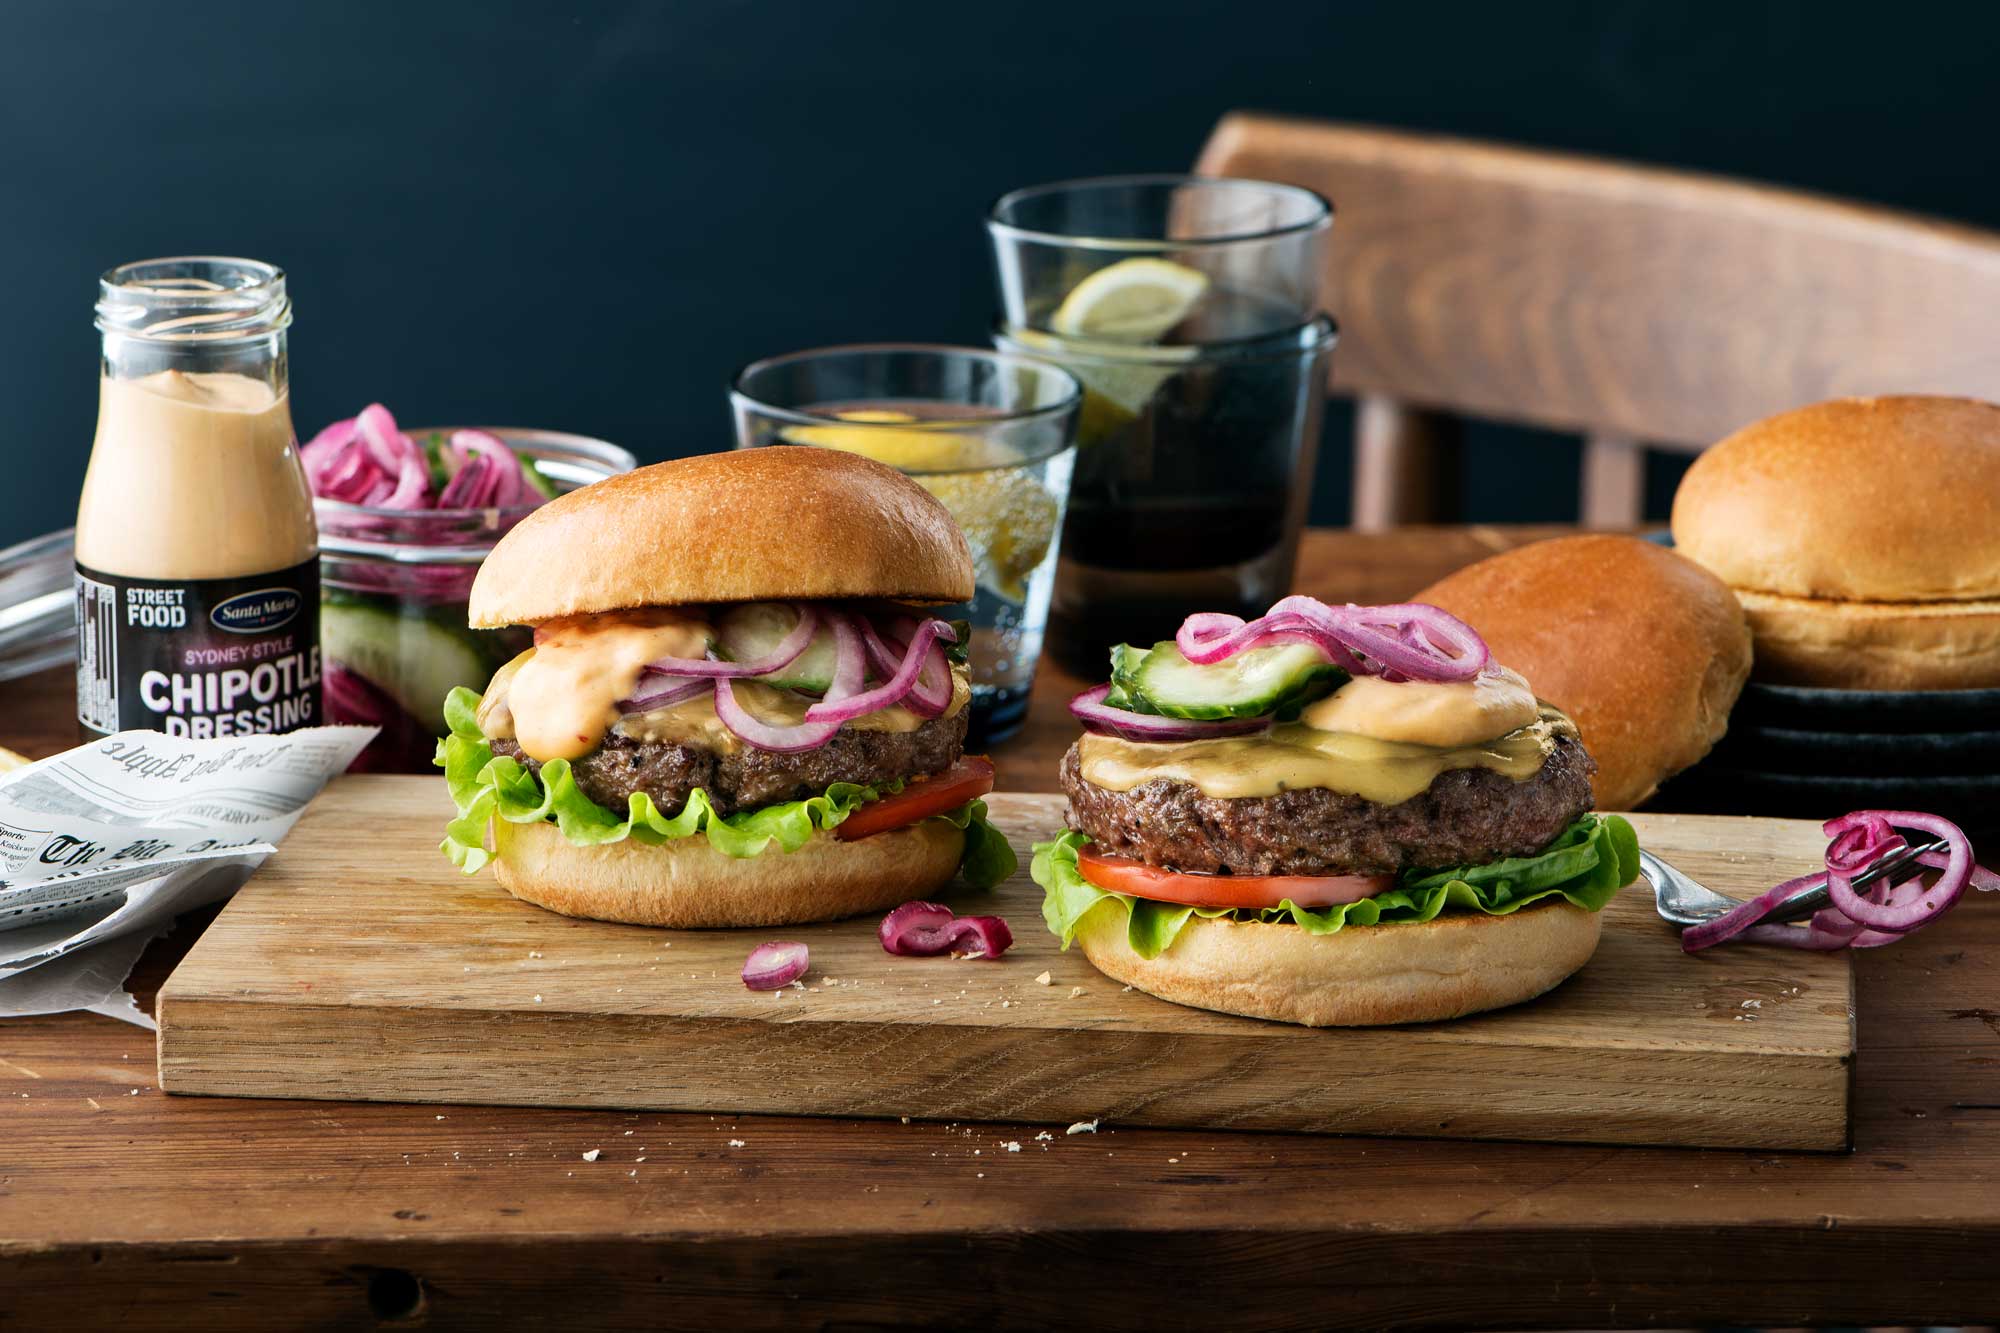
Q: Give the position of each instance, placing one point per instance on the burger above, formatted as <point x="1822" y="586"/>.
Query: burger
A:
<point x="1862" y="536"/>
<point x="737" y="710"/>
<point x="1335" y="816"/>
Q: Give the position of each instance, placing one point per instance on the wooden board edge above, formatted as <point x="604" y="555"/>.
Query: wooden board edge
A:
<point x="1068" y="1077"/>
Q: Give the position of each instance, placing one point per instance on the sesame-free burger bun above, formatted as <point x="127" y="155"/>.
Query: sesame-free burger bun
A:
<point x="687" y="884"/>
<point x="784" y="522"/>
<point x="1363" y="976"/>
<point x="1644" y="650"/>
<point x="1863" y="537"/>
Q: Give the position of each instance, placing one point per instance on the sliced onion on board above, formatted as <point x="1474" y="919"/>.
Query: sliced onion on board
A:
<point x="925" y="930"/>
<point x="776" y="965"/>
<point x="1858" y="919"/>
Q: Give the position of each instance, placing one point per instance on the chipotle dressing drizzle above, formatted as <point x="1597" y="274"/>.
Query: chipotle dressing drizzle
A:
<point x="558" y="699"/>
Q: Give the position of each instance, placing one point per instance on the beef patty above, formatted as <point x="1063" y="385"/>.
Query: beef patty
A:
<point x="1468" y="816"/>
<point x="750" y="777"/>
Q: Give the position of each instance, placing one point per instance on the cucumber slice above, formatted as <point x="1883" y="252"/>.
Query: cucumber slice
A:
<point x="412" y="659"/>
<point x="754" y="629"/>
<point x="1250" y="684"/>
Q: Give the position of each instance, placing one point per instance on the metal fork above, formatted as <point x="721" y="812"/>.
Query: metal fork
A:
<point x="1686" y="902"/>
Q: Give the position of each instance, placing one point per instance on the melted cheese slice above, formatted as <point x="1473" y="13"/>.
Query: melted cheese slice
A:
<point x="560" y="697"/>
<point x="1294" y="755"/>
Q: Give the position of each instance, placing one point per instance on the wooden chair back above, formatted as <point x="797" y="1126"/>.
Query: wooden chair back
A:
<point x="1635" y="306"/>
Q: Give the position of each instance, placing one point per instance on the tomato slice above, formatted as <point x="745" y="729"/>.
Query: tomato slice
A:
<point x="1123" y="874"/>
<point x="923" y="797"/>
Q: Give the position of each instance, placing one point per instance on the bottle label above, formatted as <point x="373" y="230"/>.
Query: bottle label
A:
<point x="198" y="657"/>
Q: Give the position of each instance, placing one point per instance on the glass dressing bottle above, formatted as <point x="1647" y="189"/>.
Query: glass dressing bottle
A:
<point x="197" y="559"/>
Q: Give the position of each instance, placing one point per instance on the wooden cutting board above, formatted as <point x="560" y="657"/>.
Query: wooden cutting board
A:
<point x="358" y="964"/>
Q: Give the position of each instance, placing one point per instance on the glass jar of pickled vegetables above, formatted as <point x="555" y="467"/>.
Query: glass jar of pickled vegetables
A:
<point x="397" y="563"/>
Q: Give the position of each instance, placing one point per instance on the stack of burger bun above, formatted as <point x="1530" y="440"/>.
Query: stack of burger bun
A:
<point x="1644" y="650"/>
<point x="1862" y="536"/>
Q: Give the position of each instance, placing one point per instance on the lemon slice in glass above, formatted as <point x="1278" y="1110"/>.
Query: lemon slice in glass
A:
<point x="1134" y="300"/>
<point x="888" y="437"/>
<point x="1009" y="519"/>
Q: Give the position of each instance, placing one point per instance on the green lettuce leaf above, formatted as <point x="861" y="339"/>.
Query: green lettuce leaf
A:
<point x="485" y="786"/>
<point x="1587" y="864"/>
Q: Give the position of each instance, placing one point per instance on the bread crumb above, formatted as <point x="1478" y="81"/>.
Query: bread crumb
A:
<point x="1012" y="1147"/>
<point x="906" y="1120"/>
<point x="1044" y="1137"/>
<point x="638" y="1159"/>
<point x="1128" y="989"/>
<point x="534" y="953"/>
<point x="1075" y="991"/>
<point x="738" y="1143"/>
<point x="591" y="1156"/>
<point x="1043" y="979"/>
<point x="538" y="999"/>
<point x="628" y="1133"/>
<point x="1082" y="1127"/>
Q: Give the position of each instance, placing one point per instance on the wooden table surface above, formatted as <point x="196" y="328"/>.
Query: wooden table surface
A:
<point x="121" y="1206"/>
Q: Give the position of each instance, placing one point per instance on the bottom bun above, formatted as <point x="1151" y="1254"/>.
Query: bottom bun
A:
<point x="1874" y="645"/>
<point x="1362" y="976"/>
<point x="687" y="883"/>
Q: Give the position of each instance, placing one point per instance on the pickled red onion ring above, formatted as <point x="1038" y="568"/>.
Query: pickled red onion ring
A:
<point x="367" y="460"/>
<point x="896" y="688"/>
<point x="850" y="655"/>
<point x="1883" y="914"/>
<point x="663" y="692"/>
<point x="1090" y="709"/>
<point x="925" y="930"/>
<point x="930" y="694"/>
<point x="774" y="736"/>
<point x="776" y="965"/>
<point x="1407" y="641"/>
<point x="789" y="649"/>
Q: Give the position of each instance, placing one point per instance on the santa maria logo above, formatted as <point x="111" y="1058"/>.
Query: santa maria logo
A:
<point x="257" y="612"/>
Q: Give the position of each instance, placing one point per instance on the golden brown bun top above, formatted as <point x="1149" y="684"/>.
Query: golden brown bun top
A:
<point x="1644" y="650"/>
<point x="789" y="521"/>
<point x="1868" y="499"/>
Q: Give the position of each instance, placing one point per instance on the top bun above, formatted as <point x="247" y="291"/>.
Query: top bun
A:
<point x="1856" y="499"/>
<point x="1645" y="651"/>
<point x="788" y="521"/>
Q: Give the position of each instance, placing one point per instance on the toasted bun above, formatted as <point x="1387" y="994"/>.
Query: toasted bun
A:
<point x="688" y="884"/>
<point x="1857" y="499"/>
<point x="782" y="522"/>
<point x="1875" y="645"/>
<point x="1644" y="650"/>
<point x="1860" y="535"/>
<point x="1362" y="976"/>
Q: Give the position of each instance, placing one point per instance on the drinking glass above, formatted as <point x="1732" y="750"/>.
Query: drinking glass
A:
<point x="988" y="434"/>
<point x="1189" y="309"/>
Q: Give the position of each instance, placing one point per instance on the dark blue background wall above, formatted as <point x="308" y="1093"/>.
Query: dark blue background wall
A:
<point x="587" y="215"/>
